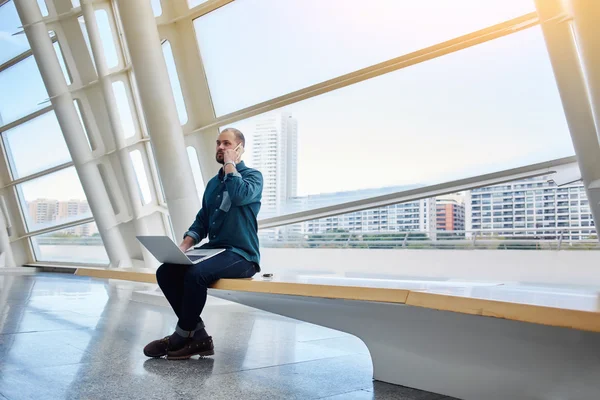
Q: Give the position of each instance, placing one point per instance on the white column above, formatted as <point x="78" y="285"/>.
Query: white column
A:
<point x="62" y="101"/>
<point x="143" y="42"/>
<point x="571" y="82"/>
<point x="115" y="124"/>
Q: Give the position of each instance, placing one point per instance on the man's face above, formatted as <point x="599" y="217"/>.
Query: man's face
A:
<point x="225" y="140"/>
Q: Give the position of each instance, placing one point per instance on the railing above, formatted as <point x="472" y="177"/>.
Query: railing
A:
<point x="580" y="238"/>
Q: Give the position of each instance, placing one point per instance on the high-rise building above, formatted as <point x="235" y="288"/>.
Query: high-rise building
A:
<point x="275" y="154"/>
<point x="510" y="209"/>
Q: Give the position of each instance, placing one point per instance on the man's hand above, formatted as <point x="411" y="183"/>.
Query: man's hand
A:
<point x="234" y="155"/>
<point x="230" y="155"/>
<point x="186" y="244"/>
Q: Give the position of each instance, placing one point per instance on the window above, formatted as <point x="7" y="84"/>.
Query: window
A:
<point x="107" y="38"/>
<point x="28" y="93"/>
<point x="270" y="65"/>
<point x="196" y="172"/>
<point x="27" y="146"/>
<point x="156" y="8"/>
<point x="11" y="45"/>
<point x="175" y="84"/>
<point x="122" y="99"/>
<point x="78" y="244"/>
<point x="437" y="90"/>
<point x="141" y="177"/>
<point x="77" y="105"/>
<point x="61" y="59"/>
<point x="53" y="199"/>
<point x="43" y="7"/>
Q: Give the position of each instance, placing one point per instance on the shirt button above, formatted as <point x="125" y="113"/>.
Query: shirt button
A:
<point x="213" y="223"/>
<point x="218" y="196"/>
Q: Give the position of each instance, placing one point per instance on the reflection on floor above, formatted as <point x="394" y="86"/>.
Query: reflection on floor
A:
<point x="68" y="337"/>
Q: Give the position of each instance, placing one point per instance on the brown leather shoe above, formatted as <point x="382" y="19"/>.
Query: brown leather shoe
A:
<point x="157" y="348"/>
<point x="203" y="347"/>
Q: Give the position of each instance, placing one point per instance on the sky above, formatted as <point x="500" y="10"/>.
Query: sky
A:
<point x="479" y="110"/>
<point x="487" y="108"/>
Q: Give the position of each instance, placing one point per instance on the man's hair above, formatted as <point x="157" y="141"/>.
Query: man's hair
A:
<point x="239" y="136"/>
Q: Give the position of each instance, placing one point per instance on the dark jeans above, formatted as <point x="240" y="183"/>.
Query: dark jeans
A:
<point x="185" y="286"/>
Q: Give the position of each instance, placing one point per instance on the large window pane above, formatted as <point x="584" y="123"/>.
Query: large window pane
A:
<point x="53" y="199"/>
<point x="10" y="46"/>
<point x="27" y="146"/>
<point x="79" y="244"/>
<point x="487" y="108"/>
<point x="27" y="91"/>
<point x="317" y="40"/>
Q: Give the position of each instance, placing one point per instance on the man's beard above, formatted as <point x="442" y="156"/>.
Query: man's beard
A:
<point x="222" y="160"/>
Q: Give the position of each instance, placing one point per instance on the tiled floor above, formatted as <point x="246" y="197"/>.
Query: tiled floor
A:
<point x="68" y="337"/>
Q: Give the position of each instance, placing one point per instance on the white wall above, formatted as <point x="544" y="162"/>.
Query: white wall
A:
<point x="549" y="267"/>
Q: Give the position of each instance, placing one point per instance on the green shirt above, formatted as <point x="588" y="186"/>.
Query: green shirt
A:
<point x="229" y="212"/>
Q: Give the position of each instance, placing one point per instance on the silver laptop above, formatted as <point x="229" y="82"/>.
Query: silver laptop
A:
<point x="166" y="251"/>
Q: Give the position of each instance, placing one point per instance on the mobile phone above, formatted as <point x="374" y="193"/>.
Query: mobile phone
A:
<point x="240" y="151"/>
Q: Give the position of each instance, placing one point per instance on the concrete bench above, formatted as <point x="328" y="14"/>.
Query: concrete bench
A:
<point x="463" y="339"/>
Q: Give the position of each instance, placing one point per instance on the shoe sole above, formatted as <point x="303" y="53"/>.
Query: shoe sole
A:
<point x="187" y="356"/>
<point x="155" y="356"/>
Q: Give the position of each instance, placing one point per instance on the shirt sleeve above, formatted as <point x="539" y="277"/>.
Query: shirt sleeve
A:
<point x="199" y="230"/>
<point x="244" y="190"/>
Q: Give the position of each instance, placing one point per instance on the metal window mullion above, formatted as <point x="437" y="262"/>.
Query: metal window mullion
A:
<point x="38" y="174"/>
<point x="26" y="118"/>
<point x="17" y="59"/>
<point x="56" y="228"/>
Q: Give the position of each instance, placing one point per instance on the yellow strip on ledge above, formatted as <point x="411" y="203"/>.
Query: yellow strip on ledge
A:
<point x="559" y="317"/>
<point x="286" y="288"/>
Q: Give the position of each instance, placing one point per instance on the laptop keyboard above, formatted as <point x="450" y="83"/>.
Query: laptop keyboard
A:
<point x="195" y="258"/>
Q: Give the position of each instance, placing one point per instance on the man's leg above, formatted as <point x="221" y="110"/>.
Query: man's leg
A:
<point x="198" y="279"/>
<point x="170" y="279"/>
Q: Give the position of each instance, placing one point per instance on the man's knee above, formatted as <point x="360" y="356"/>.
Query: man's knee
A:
<point x="164" y="273"/>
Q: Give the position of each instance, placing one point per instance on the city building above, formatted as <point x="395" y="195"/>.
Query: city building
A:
<point x="44" y="212"/>
<point x="533" y="207"/>
<point x="450" y="213"/>
<point x="275" y="154"/>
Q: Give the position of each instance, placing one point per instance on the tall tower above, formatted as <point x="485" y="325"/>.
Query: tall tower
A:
<point x="275" y="154"/>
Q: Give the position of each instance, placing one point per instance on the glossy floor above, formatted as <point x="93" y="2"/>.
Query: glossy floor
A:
<point x="68" y="337"/>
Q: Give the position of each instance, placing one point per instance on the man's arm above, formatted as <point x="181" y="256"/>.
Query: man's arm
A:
<point x="198" y="230"/>
<point x="246" y="190"/>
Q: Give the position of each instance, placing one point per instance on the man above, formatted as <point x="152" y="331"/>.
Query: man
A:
<point x="230" y="206"/>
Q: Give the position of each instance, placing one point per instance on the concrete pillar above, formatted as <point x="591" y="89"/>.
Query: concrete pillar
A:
<point x="143" y="42"/>
<point x="62" y="101"/>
